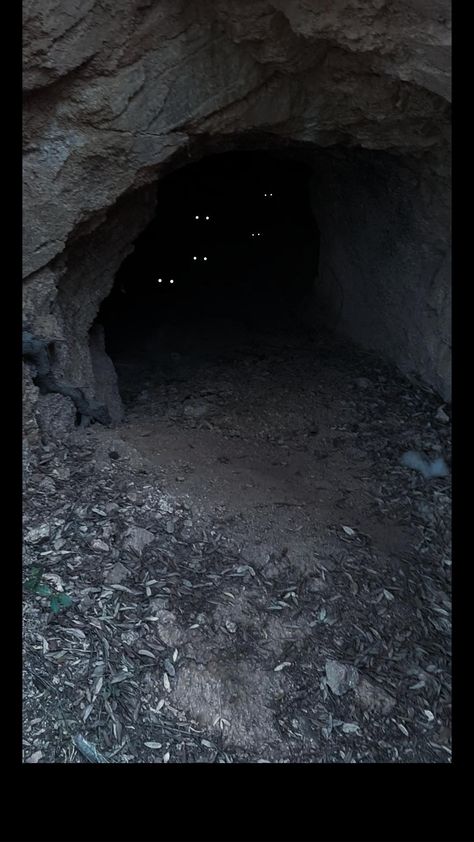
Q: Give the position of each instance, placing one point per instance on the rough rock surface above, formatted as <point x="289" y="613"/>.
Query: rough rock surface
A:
<point x="117" y="92"/>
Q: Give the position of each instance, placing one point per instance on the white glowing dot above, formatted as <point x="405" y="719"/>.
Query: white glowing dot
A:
<point x="171" y="281"/>
<point x="204" y="258"/>
<point x="159" y="280"/>
<point x="196" y="217"/>
<point x="207" y="217"/>
<point x="194" y="258"/>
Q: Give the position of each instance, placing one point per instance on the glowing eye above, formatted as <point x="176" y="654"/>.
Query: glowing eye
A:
<point x="204" y="258"/>
<point x="196" y="217"/>
<point x="271" y="194"/>
<point x="207" y="217"/>
<point x="194" y="258"/>
<point x="171" y="281"/>
<point x="160" y="280"/>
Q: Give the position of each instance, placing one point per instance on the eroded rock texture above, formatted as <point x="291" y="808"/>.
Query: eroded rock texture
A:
<point x="119" y="91"/>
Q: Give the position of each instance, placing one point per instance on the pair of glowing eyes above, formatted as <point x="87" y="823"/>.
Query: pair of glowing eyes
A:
<point x="160" y="280"/>
<point x="195" y="258"/>
<point x="268" y="195"/>
<point x="204" y="217"/>
<point x="257" y="234"/>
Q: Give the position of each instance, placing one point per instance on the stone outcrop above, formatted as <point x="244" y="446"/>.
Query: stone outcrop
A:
<point x="118" y="92"/>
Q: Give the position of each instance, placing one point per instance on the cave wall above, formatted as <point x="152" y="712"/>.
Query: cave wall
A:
<point x="385" y="256"/>
<point x="116" y="91"/>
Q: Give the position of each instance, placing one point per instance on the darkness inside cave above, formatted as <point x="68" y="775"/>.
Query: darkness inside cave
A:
<point x="233" y="237"/>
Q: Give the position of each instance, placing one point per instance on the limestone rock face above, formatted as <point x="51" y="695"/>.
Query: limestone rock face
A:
<point x="116" y="91"/>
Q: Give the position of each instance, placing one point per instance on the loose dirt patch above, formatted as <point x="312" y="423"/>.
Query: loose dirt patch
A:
<point x="254" y="575"/>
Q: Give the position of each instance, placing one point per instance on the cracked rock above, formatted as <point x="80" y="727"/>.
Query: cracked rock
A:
<point x="374" y="698"/>
<point x="37" y="534"/>
<point x="116" y="574"/>
<point x="340" y="677"/>
<point x="136" y="539"/>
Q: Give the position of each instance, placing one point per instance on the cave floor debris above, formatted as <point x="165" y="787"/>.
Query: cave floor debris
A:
<point x="254" y="576"/>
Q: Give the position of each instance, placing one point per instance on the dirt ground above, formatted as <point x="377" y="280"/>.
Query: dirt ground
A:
<point x="253" y="574"/>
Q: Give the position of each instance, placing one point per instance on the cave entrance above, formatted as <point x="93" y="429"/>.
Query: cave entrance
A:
<point x="232" y="251"/>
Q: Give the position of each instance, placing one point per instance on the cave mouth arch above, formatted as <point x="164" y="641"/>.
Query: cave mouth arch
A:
<point x="233" y="242"/>
<point x="381" y="276"/>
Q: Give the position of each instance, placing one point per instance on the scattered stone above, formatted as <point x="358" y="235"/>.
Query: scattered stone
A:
<point x="340" y="677"/>
<point x="37" y="534"/>
<point x="97" y="544"/>
<point x="231" y="626"/>
<point x="63" y="473"/>
<point x="373" y="697"/>
<point x="167" y="627"/>
<point x="47" y="485"/>
<point x="136" y="539"/>
<point x="441" y="415"/>
<point x="117" y="574"/>
<point x="35" y="757"/>
<point x="165" y="507"/>
<point x="430" y="470"/>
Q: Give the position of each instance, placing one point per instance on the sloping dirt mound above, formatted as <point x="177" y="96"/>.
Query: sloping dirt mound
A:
<point x="263" y="581"/>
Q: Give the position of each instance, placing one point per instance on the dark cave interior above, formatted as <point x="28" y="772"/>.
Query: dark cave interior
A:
<point x="234" y="237"/>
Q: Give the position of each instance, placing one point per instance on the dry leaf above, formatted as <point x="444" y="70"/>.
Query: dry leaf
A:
<point x="282" y="666"/>
<point x="98" y="685"/>
<point x="120" y="677"/>
<point x="351" y="728"/>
